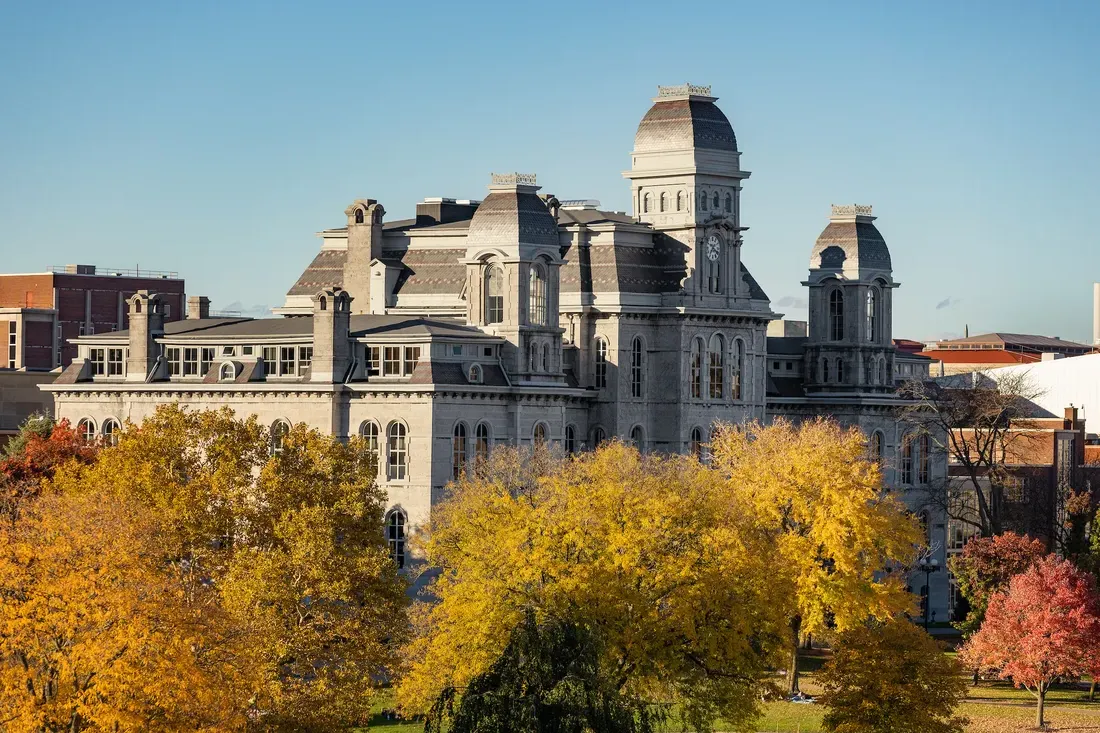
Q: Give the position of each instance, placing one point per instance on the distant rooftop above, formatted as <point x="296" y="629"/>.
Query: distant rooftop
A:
<point x="112" y="271"/>
<point x="1026" y="343"/>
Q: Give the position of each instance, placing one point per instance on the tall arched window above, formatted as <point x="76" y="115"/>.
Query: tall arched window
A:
<point x="664" y="201"/>
<point x="537" y="309"/>
<point x="836" y="315"/>
<point x="637" y="367"/>
<point x="714" y="272"/>
<point x="533" y="357"/>
<point x="86" y="430"/>
<point x="395" y="536"/>
<point x="546" y="357"/>
<point x="679" y="200"/>
<point x="877" y="447"/>
<point x="111" y="429"/>
<point x="601" y="364"/>
<point x="738" y="368"/>
<point x="882" y="371"/>
<point x="540" y="433"/>
<point x="397" y="452"/>
<point x="279" y="431"/>
<point x="697" y="443"/>
<point x="825" y="370"/>
<point x="598" y="436"/>
<point x="839" y="370"/>
<point x="697" y="350"/>
<point x="924" y="447"/>
<point x="907" y="460"/>
<point x="872" y="314"/>
<point x="494" y="295"/>
<point x="458" y="452"/>
<point x="715" y="201"/>
<point x="371" y="433"/>
<point x="570" y="439"/>
<point x="637" y="437"/>
<point x="481" y="442"/>
<point x="729" y="204"/>
<point x="717" y="367"/>
<point x="645" y="204"/>
<point x="703" y="200"/>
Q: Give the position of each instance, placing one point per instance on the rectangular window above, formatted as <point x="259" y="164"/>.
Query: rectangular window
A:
<point x="98" y="358"/>
<point x="412" y="356"/>
<point x="391" y="365"/>
<point x="190" y="362"/>
<point x="114" y="362"/>
<point x="172" y="356"/>
<point x="229" y="351"/>
<point x="374" y="361"/>
<point x="456" y="350"/>
<point x="488" y="351"/>
<point x="246" y="351"/>
<point x="305" y="358"/>
<point x="271" y="361"/>
<point x="207" y="359"/>
<point x="286" y="360"/>
<point x="13" y="345"/>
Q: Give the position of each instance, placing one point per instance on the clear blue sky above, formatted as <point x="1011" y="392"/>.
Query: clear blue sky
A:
<point x="216" y="138"/>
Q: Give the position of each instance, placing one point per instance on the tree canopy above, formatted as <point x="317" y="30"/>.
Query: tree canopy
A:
<point x="986" y="565"/>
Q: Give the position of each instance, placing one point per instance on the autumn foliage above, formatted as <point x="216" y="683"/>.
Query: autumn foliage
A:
<point x="189" y="580"/>
<point x="986" y="565"/>
<point x="1044" y="626"/>
<point x="33" y="456"/>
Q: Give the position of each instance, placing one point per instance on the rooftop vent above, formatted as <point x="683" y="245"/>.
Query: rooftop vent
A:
<point x="580" y="204"/>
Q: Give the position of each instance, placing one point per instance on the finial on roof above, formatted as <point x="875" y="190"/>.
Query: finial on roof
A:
<point x="683" y="90"/>
<point x="513" y="179"/>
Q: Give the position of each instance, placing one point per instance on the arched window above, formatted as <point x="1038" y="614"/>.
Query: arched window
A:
<point x="370" y="432"/>
<point x="637" y="437"/>
<point x="907" y="460"/>
<point x="482" y="441"/>
<point x="395" y="536"/>
<point x="598" y="436"/>
<point x="358" y="216"/>
<point x="738" y="368"/>
<point x="228" y="372"/>
<point x="877" y="446"/>
<point x="697" y="350"/>
<point x="636" y="367"/>
<point x="714" y="203"/>
<point x="537" y="309"/>
<point x="458" y="452"/>
<point x="540" y="433"/>
<point x="664" y="201"/>
<point x="825" y="370"/>
<point x="279" y="431"/>
<point x="494" y="295"/>
<point x="570" y="439"/>
<point x="836" y="315"/>
<point x="840" y="370"/>
<point x="533" y="357"/>
<point x="475" y="376"/>
<point x="397" y="452"/>
<point x="86" y="430"/>
<point x="697" y="443"/>
<point x="872" y="314"/>
<point x="601" y="364"/>
<point x="882" y="371"/>
<point x="703" y="200"/>
<point x="546" y="357"/>
<point x="717" y="363"/>
<point x="645" y="204"/>
<point x="679" y="200"/>
<point x="924" y="447"/>
<point x="111" y="429"/>
<point x="729" y="204"/>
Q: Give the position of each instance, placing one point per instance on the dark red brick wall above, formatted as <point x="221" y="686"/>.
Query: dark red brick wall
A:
<point x="37" y="345"/>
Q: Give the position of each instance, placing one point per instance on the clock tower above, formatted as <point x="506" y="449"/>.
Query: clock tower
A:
<point x="685" y="178"/>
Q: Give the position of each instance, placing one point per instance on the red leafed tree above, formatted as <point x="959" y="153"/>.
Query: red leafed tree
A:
<point x="986" y="565"/>
<point x="1046" y="625"/>
<point x="39" y="454"/>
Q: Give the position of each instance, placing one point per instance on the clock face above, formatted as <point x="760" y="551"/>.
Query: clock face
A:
<point x="713" y="247"/>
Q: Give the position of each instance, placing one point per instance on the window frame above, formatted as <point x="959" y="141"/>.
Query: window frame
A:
<point x="396" y="536"/>
<point x="637" y="368"/>
<point x="459" y="447"/>
<point x="836" y="314"/>
<point x="716" y="367"/>
<point x="397" y="451"/>
<point x="493" y="304"/>
<point x="601" y="358"/>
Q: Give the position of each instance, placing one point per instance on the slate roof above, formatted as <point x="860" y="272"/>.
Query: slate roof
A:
<point x="432" y="271"/>
<point x="507" y="217"/>
<point x="850" y="244"/>
<point x="684" y="123"/>
<point x="452" y="373"/>
<point x="787" y="345"/>
<point x="325" y="272"/>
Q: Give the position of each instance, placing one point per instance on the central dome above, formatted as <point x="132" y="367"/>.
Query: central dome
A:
<point x="513" y="213"/>
<point x="850" y="241"/>
<point x="684" y="117"/>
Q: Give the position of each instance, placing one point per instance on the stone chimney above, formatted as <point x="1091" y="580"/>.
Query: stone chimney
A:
<point x="331" y="339"/>
<point x="146" y="326"/>
<point x="364" y="246"/>
<point x="198" y="306"/>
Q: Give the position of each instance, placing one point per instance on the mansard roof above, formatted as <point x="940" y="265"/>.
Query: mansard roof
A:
<point x="850" y="241"/>
<point x="680" y="121"/>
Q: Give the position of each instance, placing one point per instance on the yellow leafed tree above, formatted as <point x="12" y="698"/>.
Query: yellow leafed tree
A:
<point x="647" y="551"/>
<point x="818" y="501"/>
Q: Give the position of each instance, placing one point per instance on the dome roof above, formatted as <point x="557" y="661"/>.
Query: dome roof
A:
<point x="511" y="214"/>
<point x="850" y="242"/>
<point x="684" y="117"/>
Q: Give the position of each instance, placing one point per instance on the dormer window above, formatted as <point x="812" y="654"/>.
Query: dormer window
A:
<point x="228" y="372"/>
<point x="474" y="376"/>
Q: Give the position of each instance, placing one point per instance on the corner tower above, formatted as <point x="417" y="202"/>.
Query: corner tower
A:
<point x="850" y="347"/>
<point x="685" y="180"/>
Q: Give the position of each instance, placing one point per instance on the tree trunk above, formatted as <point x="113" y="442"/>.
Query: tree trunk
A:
<point x="1092" y="689"/>
<point x="976" y="676"/>
<point x="1039" y="722"/>
<point x="792" y="672"/>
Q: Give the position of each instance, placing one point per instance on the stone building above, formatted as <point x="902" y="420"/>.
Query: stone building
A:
<point x="524" y="317"/>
